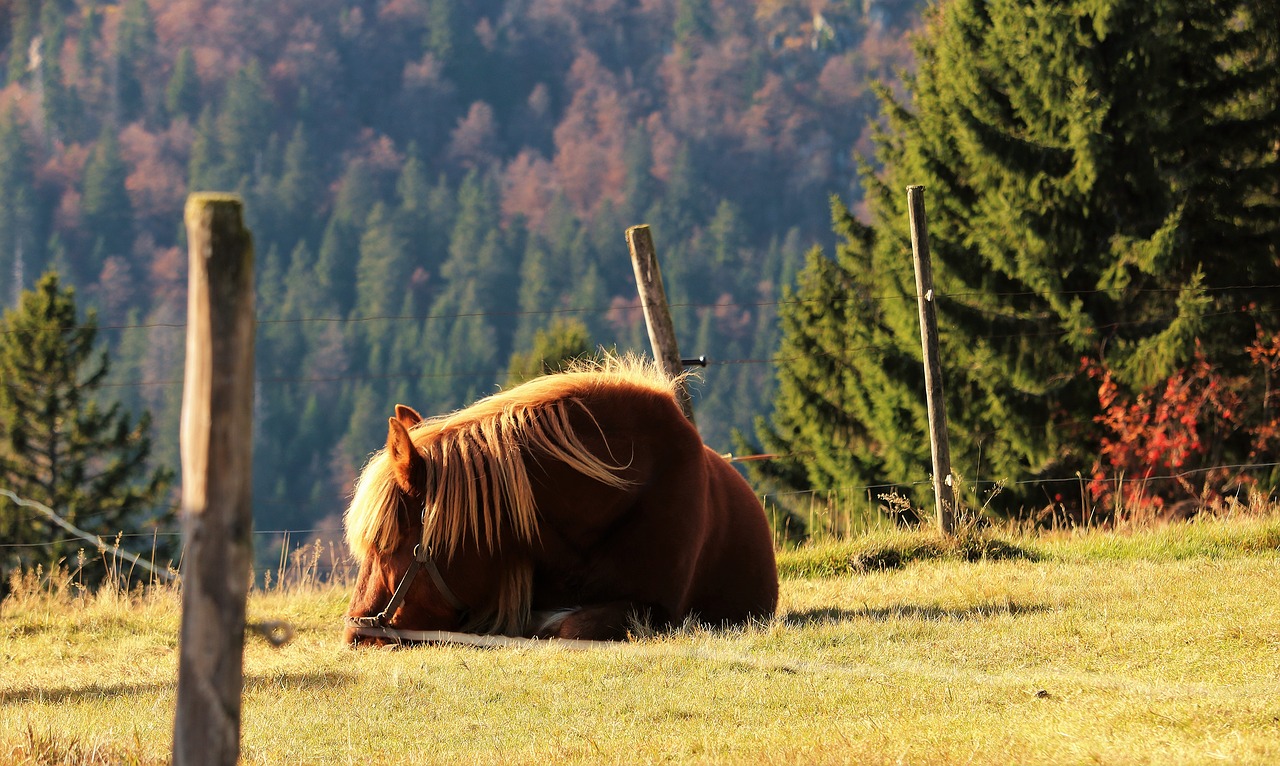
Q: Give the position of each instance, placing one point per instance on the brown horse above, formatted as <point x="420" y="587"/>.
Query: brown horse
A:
<point x="566" y="507"/>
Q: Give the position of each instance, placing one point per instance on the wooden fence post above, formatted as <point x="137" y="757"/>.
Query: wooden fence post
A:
<point x="939" y="446"/>
<point x="217" y="446"/>
<point x="657" y="315"/>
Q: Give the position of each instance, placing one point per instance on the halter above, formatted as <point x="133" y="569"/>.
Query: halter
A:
<point x="422" y="559"/>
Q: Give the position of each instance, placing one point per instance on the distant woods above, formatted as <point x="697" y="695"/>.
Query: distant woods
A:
<point x="432" y="184"/>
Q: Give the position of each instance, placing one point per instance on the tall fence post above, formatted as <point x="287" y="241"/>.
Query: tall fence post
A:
<point x="657" y="315"/>
<point x="944" y="492"/>
<point x="216" y="444"/>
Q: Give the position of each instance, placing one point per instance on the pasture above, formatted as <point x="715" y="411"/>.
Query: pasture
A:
<point x="1160" y="646"/>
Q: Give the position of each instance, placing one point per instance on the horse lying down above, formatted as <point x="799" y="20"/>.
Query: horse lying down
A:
<point x="562" y="508"/>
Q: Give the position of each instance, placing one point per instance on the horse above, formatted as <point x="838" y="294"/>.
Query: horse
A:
<point x="578" y="505"/>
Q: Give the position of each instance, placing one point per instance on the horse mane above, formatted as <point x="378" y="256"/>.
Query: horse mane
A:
<point x="477" y="484"/>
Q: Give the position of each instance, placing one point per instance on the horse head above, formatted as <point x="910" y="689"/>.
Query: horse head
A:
<point x="385" y="524"/>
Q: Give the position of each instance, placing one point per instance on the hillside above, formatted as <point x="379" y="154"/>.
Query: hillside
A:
<point x="430" y="182"/>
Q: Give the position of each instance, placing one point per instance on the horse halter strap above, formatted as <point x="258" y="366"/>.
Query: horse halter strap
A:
<point x="422" y="559"/>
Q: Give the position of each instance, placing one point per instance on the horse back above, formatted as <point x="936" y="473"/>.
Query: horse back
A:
<point x="686" y="535"/>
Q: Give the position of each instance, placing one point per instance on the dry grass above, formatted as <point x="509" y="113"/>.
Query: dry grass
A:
<point x="1159" y="647"/>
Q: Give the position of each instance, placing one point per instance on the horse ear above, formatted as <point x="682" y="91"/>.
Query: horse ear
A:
<point x="407" y="463"/>
<point x="407" y="415"/>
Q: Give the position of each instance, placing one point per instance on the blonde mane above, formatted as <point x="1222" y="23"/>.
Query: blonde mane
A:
<point x="476" y="480"/>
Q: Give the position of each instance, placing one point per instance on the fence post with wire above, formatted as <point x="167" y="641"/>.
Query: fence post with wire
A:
<point x="217" y="448"/>
<point x="939" y="446"/>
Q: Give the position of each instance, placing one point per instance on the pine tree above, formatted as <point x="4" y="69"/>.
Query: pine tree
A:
<point x="204" y="166"/>
<point x="22" y="21"/>
<point x="135" y="48"/>
<point x="382" y="275"/>
<point x="59" y="443"/>
<point x="59" y="107"/>
<point x="1101" y="183"/>
<point x="182" y="94"/>
<point x="414" y="214"/>
<point x="536" y="294"/>
<point x="244" y="123"/>
<point x="297" y="192"/>
<point x="18" y="236"/>
<point x="108" y="212"/>
<point x="695" y="21"/>
<point x="554" y="348"/>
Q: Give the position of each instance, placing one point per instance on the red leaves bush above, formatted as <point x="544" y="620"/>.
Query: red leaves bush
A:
<point x="1171" y="442"/>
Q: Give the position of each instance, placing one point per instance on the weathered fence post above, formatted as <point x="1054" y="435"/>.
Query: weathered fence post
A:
<point x="938" y="444"/>
<point x="657" y="316"/>
<point x="216" y="444"/>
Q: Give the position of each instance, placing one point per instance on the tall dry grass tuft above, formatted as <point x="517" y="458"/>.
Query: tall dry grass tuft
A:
<point x="47" y="748"/>
<point x="319" y="564"/>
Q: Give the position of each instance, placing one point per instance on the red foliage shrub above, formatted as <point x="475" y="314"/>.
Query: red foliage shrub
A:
<point x="1169" y="441"/>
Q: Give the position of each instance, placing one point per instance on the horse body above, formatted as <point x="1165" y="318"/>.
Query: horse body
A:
<point x="602" y="506"/>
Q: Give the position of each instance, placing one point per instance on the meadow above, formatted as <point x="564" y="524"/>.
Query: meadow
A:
<point x="1156" y="646"/>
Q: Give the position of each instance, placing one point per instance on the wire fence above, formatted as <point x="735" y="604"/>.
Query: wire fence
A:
<point x="316" y="554"/>
<point x="818" y="499"/>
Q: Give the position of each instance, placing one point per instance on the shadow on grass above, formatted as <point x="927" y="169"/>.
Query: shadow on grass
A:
<point x="103" y="692"/>
<point x="85" y="693"/>
<point x="835" y="615"/>
<point x="885" y="552"/>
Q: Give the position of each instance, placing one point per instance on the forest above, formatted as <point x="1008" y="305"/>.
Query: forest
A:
<point x="431" y="183"/>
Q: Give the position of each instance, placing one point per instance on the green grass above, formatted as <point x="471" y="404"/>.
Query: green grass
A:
<point x="1161" y="646"/>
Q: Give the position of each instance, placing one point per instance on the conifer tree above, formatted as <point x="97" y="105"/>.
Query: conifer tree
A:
<point x="1101" y="183"/>
<point x="18" y="213"/>
<point x="204" y="166"/>
<point x="297" y="190"/>
<point x="382" y="275"/>
<point x="22" y="22"/>
<point x="58" y="103"/>
<point x="243" y="123"/>
<point x="60" y="444"/>
<point x="108" y="213"/>
<point x="554" y="349"/>
<point x="135" y="47"/>
<point x="182" y="94"/>
<point x="414" y="215"/>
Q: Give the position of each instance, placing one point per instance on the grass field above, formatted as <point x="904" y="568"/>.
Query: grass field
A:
<point x="1156" y="647"/>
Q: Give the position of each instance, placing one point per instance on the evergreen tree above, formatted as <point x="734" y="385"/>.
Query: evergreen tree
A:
<point x="695" y="21"/>
<point x="59" y="444"/>
<point x="297" y="193"/>
<point x="18" y="213"/>
<point x="414" y="215"/>
<point x="58" y="103"/>
<point x="554" y="349"/>
<point x="182" y="94"/>
<point x="382" y="276"/>
<point x="536" y="293"/>
<point x="244" y="122"/>
<point x="108" y="213"/>
<point x="22" y="22"/>
<point x="641" y="187"/>
<point x="90" y="26"/>
<point x="334" y="278"/>
<point x="205" y="170"/>
<point x="135" y="47"/>
<point x="1101" y="182"/>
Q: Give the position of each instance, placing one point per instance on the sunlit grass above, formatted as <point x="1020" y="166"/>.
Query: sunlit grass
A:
<point x="1161" y="646"/>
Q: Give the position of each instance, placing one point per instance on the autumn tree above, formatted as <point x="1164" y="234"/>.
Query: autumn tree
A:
<point x="1101" y="184"/>
<point x="60" y="443"/>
